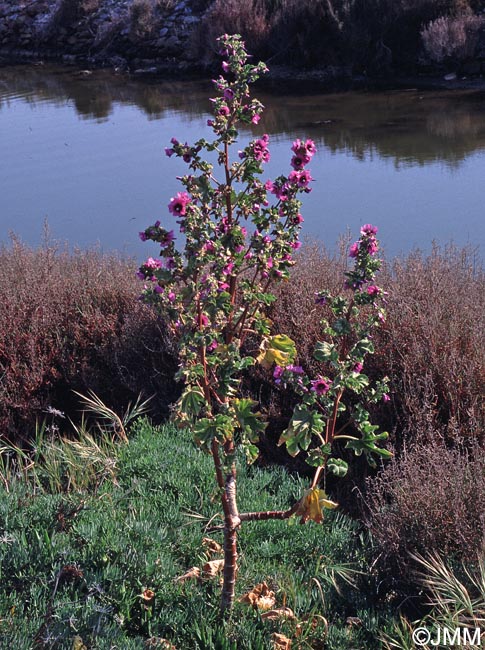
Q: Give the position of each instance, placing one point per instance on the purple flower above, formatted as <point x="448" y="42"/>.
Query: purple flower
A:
<point x="178" y="204"/>
<point x="296" y="370"/>
<point x="152" y="264"/>
<point x="320" y="385"/>
<point x="224" y="110"/>
<point x="171" y="296"/>
<point x="229" y="94"/>
<point x="358" y="367"/>
<point x="354" y="249"/>
<point x="255" y="119"/>
<point x="373" y="290"/>
<point x="143" y="236"/>
<point x="225" y="66"/>
<point x="372" y="246"/>
<point x="386" y="398"/>
<point x="320" y="298"/>
<point x="169" y="152"/>
<point x="167" y="238"/>
<point x="277" y="374"/>
<point x="295" y="245"/>
<point x="158" y="289"/>
<point x="368" y="229"/>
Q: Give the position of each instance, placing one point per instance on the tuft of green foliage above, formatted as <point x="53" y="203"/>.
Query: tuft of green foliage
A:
<point x="77" y="564"/>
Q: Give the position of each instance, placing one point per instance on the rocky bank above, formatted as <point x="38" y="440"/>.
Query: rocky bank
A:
<point x="141" y="35"/>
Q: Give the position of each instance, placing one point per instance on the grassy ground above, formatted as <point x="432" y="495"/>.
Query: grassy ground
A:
<point x="77" y="554"/>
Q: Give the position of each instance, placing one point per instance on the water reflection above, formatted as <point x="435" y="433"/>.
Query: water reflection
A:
<point x="410" y="127"/>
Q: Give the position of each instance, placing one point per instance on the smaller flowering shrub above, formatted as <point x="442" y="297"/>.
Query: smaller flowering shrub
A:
<point x="318" y="419"/>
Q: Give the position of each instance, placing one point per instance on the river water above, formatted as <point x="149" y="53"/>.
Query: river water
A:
<point x="85" y="152"/>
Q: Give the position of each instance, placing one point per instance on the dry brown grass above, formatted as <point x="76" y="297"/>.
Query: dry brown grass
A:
<point x="73" y="321"/>
<point x="430" y="500"/>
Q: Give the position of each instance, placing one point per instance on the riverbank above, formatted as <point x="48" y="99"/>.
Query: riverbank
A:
<point x="304" y="44"/>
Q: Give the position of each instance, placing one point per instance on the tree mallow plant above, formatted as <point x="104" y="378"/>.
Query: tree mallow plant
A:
<point x="239" y="234"/>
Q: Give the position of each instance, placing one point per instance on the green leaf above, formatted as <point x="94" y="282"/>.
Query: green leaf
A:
<point x="191" y="401"/>
<point x="303" y="425"/>
<point x="250" y="422"/>
<point x="325" y="351"/>
<point x="337" y="467"/>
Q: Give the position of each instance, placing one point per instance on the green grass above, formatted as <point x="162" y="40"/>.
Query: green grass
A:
<point x="76" y="563"/>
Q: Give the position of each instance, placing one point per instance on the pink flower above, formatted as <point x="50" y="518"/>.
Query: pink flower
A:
<point x="203" y="320"/>
<point x="295" y="245"/>
<point x="255" y="119"/>
<point x="354" y="249"/>
<point x="296" y="370"/>
<point x="298" y="162"/>
<point x="178" y="204"/>
<point x="373" y="290"/>
<point x="372" y="246"/>
<point x="143" y="236"/>
<point x="224" y="110"/>
<point x="153" y="264"/>
<point x="268" y="186"/>
<point x="386" y="398"/>
<point x="225" y="66"/>
<point x="277" y="374"/>
<point x="171" y="296"/>
<point x="167" y="238"/>
<point x="260" y="148"/>
<point x="358" y="367"/>
<point x="320" y="385"/>
<point x="158" y="289"/>
<point x="229" y="94"/>
<point x="368" y="229"/>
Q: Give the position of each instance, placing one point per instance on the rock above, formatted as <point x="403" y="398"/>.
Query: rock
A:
<point x="142" y="71"/>
<point x="450" y="77"/>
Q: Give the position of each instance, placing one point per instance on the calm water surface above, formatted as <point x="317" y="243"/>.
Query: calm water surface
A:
<point x="85" y="152"/>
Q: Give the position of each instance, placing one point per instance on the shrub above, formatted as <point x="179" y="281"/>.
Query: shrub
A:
<point x="245" y="17"/>
<point x="142" y="18"/>
<point x="427" y="501"/>
<point x="72" y="321"/>
<point x="452" y="36"/>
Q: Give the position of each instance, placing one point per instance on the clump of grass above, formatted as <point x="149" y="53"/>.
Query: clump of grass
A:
<point x="80" y="564"/>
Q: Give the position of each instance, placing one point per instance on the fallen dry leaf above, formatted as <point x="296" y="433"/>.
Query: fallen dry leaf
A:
<point x="212" y="569"/>
<point x="161" y="644"/>
<point x="314" y="622"/>
<point x="192" y="574"/>
<point x="211" y="545"/>
<point x="147" y="595"/>
<point x="276" y="614"/>
<point x="260" y="597"/>
<point x="281" y="642"/>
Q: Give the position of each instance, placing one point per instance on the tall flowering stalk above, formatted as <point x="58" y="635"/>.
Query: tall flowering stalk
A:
<point x="239" y="234"/>
<point x="320" y="418"/>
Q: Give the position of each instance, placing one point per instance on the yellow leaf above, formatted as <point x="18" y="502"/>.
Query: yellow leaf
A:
<point x="78" y="644"/>
<point x="312" y="503"/>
